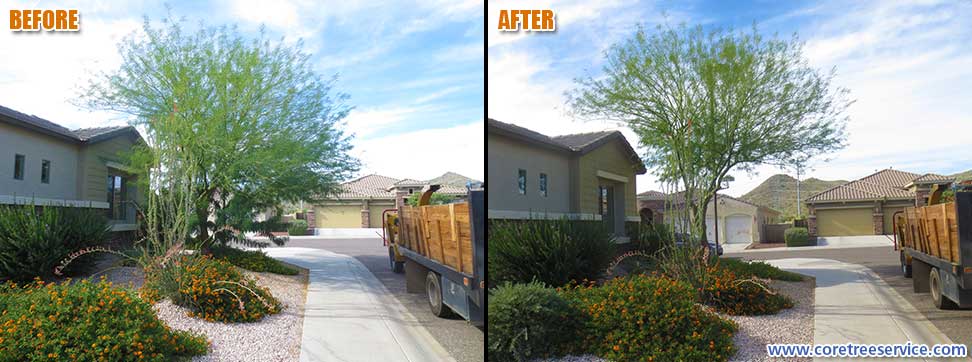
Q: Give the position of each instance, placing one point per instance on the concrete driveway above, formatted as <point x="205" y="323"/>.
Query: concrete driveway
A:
<point x="461" y="340"/>
<point x="883" y="261"/>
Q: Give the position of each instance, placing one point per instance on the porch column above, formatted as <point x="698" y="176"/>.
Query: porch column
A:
<point x="877" y="219"/>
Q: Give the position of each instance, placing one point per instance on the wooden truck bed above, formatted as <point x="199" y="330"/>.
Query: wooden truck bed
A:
<point x="932" y="230"/>
<point x="440" y="233"/>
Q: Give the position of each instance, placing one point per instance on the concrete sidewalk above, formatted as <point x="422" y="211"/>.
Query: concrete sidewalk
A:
<point x="853" y="304"/>
<point x="350" y="316"/>
<point x="824" y="242"/>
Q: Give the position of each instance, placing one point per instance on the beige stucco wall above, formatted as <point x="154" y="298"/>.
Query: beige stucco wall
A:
<point x="376" y="208"/>
<point x="613" y="158"/>
<point x="37" y="147"/>
<point x="338" y="215"/>
<point x="93" y="172"/>
<point x="506" y="157"/>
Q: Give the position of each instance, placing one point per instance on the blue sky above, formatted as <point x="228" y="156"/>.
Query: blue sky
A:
<point x="907" y="66"/>
<point x="414" y="70"/>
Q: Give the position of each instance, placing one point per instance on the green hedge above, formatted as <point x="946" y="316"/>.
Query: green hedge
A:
<point x="747" y="269"/>
<point x="297" y="227"/>
<point x="528" y="321"/>
<point x="553" y="252"/>
<point x="252" y="260"/>
<point x="797" y="237"/>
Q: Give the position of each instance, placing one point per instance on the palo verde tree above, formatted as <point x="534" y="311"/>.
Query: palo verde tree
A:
<point x="707" y="102"/>
<point x="258" y="124"/>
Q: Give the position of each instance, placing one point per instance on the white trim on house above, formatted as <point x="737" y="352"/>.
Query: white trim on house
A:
<point x="523" y="215"/>
<point x="124" y="227"/>
<point x="120" y="167"/>
<point x="611" y="176"/>
<point x="23" y="200"/>
<point x="632" y="218"/>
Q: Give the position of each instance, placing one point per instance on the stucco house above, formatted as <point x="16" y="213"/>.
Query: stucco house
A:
<point x="44" y="163"/>
<point x="740" y="222"/>
<point x="586" y="176"/>
<point x="361" y="201"/>
<point x="866" y="206"/>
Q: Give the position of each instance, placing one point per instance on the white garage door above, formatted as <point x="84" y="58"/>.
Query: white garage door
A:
<point x="710" y="229"/>
<point x="739" y="229"/>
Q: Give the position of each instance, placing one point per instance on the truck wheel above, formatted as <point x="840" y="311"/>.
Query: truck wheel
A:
<point x="905" y="267"/>
<point x="938" y="297"/>
<point x="433" y="288"/>
<point x="396" y="266"/>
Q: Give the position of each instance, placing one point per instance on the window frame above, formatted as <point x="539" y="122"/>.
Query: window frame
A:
<point x="542" y="184"/>
<point x="45" y="171"/>
<point x="521" y="181"/>
<point x="122" y="189"/>
<point x="20" y="166"/>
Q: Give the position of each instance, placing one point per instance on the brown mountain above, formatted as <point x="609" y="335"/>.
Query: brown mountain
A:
<point x="780" y="192"/>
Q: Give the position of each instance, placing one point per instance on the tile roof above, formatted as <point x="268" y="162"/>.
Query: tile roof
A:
<point x="44" y="126"/>
<point x="890" y="177"/>
<point x="579" y="141"/>
<point x="932" y="177"/>
<point x="651" y="195"/>
<point x="382" y="187"/>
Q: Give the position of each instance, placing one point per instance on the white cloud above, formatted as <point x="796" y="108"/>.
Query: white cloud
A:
<point x="366" y="122"/>
<point x="282" y="13"/>
<point x="425" y="154"/>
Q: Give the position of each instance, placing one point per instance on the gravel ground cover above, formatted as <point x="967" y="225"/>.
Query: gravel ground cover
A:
<point x="274" y="338"/>
<point x="794" y="325"/>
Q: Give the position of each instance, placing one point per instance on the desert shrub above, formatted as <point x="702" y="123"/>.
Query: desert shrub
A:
<point x="252" y="260"/>
<point x="652" y="236"/>
<point x="528" y="321"/>
<point x="86" y="322"/>
<point x="297" y="227"/>
<point x="641" y="318"/>
<point x="33" y="240"/>
<point x="748" y="269"/>
<point x="733" y="295"/>
<point x="213" y="290"/>
<point x="553" y="252"/>
<point x="796" y="237"/>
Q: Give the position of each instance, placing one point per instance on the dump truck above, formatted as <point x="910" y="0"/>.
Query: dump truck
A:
<point x="935" y="246"/>
<point x="441" y="250"/>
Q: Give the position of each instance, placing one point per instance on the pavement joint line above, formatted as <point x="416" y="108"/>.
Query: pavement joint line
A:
<point x="381" y="313"/>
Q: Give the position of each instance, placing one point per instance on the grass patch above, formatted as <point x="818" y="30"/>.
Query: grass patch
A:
<point x="252" y="260"/>
<point x="746" y="269"/>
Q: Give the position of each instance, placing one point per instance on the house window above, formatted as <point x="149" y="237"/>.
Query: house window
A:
<point x="543" y="184"/>
<point x="116" y="197"/>
<point x="602" y="200"/>
<point x="19" y="161"/>
<point x="45" y="171"/>
<point x="521" y="181"/>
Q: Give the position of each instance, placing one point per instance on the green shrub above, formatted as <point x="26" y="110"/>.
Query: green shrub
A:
<point x="652" y="236"/>
<point x="213" y="290"/>
<point x="553" y="252"/>
<point x="33" y="240"/>
<point x="86" y="322"/>
<point x="640" y="318"/>
<point x="748" y="269"/>
<point x="528" y="321"/>
<point x="297" y="227"/>
<point x="730" y="294"/>
<point x="796" y="237"/>
<point x="252" y="260"/>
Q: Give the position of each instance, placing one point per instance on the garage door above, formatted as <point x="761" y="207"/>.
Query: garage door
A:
<point x="889" y="219"/>
<point x="844" y="222"/>
<point x="338" y="216"/>
<point x="739" y="229"/>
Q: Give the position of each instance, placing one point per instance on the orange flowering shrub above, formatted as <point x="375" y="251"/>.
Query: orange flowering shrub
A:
<point x="86" y="322"/>
<point x="214" y="290"/>
<point x="648" y="318"/>
<point x="730" y="294"/>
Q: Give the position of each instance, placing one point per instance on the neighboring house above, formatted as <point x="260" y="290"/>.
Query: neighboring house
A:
<point x="587" y="176"/>
<point x="739" y="221"/>
<point x="362" y="201"/>
<point x="47" y="164"/>
<point x="867" y="206"/>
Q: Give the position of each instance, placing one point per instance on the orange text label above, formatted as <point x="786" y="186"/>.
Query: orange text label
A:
<point x="50" y="20"/>
<point x="529" y="20"/>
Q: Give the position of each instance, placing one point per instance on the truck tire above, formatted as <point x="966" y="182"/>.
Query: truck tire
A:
<point x="905" y="267"/>
<point x="433" y="288"/>
<point x="938" y="297"/>
<point x="397" y="267"/>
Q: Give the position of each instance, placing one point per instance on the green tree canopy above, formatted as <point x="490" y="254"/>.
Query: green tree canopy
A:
<point x="707" y="102"/>
<point x="259" y="126"/>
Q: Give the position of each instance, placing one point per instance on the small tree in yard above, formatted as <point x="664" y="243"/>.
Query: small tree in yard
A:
<point x="259" y="126"/>
<point x="707" y="102"/>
